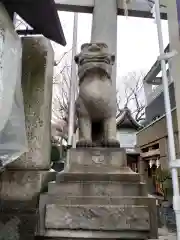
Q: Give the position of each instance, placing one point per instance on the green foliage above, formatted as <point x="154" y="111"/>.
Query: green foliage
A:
<point x="164" y="177"/>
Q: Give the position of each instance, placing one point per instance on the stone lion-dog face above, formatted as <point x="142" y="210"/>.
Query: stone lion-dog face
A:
<point x="95" y="107"/>
<point x="93" y="56"/>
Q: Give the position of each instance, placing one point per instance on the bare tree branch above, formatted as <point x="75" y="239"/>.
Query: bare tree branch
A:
<point x="133" y="95"/>
<point x="61" y="80"/>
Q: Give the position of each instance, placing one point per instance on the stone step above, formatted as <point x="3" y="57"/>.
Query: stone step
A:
<point x="101" y="200"/>
<point x="140" y="208"/>
<point x="99" y="217"/>
<point x="94" y="235"/>
<point x="96" y="188"/>
<point x="121" y="176"/>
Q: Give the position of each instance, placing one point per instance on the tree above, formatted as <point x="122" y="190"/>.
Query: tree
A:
<point x="60" y="99"/>
<point x="61" y="86"/>
<point x="132" y="95"/>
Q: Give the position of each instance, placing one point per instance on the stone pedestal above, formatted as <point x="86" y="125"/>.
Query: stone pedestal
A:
<point x="97" y="197"/>
<point x="25" y="178"/>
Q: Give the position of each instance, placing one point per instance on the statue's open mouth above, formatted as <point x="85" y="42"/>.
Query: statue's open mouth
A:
<point x="95" y="60"/>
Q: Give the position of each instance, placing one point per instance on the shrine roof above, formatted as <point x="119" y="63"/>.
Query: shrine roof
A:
<point x="41" y="15"/>
<point x="125" y="120"/>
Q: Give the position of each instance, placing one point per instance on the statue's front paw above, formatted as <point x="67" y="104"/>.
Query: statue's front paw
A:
<point x="111" y="143"/>
<point x="84" y="144"/>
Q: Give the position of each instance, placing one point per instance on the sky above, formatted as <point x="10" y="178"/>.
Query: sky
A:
<point x="137" y="42"/>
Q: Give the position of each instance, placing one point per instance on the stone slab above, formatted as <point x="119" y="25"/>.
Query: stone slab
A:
<point x="90" y="217"/>
<point x="92" y="235"/>
<point x="97" y="160"/>
<point x="96" y="188"/>
<point x="124" y="176"/>
<point x="96" y="200"/>
<point x="37" y="78"/>
<point x="23" y="185"/>
<point x="148" y="202"/>
<point x="18" y="226"/>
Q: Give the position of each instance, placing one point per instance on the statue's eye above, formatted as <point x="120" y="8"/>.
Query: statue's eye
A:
<point x="76" y="59"/>
<point x="104" y="45"/>
<point x="85" y="45"/>
<point x="113" y="58"/>
<point x="101" y="45"/>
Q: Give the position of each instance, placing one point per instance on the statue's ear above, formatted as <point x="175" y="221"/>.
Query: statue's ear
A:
<point x="76" y="59"/>
<point x="112" y="59"/>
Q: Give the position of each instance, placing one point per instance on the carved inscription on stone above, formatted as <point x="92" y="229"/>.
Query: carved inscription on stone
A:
<point x="97" y="157"/>
<point x="97" y="217"/>
<point x="34" y="122"/>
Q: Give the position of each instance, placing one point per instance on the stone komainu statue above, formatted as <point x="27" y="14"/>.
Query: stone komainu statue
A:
<point x="95" y="107"/>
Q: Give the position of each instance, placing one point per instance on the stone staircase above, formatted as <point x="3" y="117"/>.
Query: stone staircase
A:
<point x="97" y="197"/>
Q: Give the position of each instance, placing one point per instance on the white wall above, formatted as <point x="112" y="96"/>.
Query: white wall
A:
<point x="126" y="137"/>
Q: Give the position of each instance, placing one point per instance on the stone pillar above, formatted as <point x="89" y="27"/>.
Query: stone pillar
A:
<point x="104" y="29"/>
<point x="142" y="169"/>
<point x="174" y="37"/>
<point x="26" y="177"/>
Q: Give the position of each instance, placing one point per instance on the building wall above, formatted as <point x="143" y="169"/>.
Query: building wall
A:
<point x="156" y="130"/>
<point x="126" y="137"/>
<point x="156" y="107"/>
<point x="157" y="133"/>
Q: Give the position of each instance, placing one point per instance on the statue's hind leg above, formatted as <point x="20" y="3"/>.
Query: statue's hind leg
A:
<point x="110" y="133"/>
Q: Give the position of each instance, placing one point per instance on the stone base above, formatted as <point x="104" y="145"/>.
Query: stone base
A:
<point x="18" y="225"/>
<point x="97" y="203"/>
<point x="19" y="197"/>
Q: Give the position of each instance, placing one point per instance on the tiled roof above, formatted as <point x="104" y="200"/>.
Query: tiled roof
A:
<point x="125" y="120"/>
<point x="41" y="15"/>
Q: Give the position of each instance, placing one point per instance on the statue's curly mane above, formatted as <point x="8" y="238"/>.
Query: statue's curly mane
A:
<point x="94" y="56"/>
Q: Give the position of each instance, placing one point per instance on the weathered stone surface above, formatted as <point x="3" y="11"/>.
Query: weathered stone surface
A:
<point x="104" y="160"/>
<point x="124" y="176"/>
<point x="97" y="217"/>
<point x="99" y="198"/>
<point x="23" y="185"/>
<point x="96" y="200"/>
<point x="17" y="226"/>
<point x="93" y="188"/>
<point x="37" y="77"/>
<point x="91" y="235"/>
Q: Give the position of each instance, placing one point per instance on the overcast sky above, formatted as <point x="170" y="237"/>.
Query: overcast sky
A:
<point x="137" y="42"/>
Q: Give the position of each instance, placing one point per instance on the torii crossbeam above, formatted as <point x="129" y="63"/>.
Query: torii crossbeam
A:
<point x="136" y="8"/>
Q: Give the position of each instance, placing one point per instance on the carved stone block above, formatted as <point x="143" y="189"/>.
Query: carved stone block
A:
<point x="37" y="77"/>
<point x="96" y="188"/>
<point x="98" y="196"/>
<point x="97" y="217"/>
<point x="97" y="160"/>
<point x="23" y="185"/>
